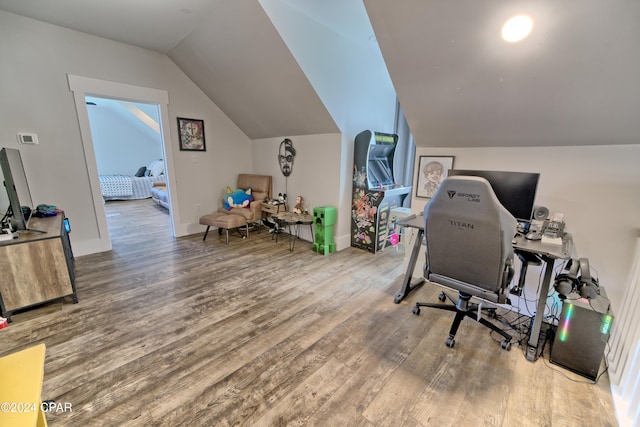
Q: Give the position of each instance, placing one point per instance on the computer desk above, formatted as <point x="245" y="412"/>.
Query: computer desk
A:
<point x="547" y="252"/>
<point x="417" y="222"/>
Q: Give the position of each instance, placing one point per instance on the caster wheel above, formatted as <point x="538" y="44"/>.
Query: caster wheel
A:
<point x="506" y="345"/>
<point x="416" y="310"/>
<point x="442" y="297"/>
<point x="450" y="342"/>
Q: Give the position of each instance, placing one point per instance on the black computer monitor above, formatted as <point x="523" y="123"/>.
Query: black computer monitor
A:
<point x="15" y="182"/>
<point x="515" y="190"/>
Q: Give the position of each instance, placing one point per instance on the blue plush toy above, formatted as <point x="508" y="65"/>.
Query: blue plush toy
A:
<point x="237" y="198"/>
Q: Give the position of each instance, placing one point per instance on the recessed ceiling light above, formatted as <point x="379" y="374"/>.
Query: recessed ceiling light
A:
<point x="517" y="28"/>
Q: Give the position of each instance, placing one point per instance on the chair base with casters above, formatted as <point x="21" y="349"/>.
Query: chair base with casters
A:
<point x="463" y="309"/>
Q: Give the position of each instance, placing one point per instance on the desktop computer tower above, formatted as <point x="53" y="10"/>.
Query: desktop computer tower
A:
<point x="582" y="334"/>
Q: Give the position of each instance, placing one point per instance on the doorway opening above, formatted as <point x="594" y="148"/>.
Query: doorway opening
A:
<point x="83" y="87"/>
<point x="130" y="160"/>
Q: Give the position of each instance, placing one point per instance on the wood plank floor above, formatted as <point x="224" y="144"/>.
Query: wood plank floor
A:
<point x="172" y="332"/>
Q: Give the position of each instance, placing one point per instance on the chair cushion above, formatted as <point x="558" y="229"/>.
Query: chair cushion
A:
<point x="248" y="214"/>
<point x="260" y="185"/>
<point x="223" y="221"/>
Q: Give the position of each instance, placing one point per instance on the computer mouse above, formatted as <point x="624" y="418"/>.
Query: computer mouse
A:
<point x="533" y="235"/>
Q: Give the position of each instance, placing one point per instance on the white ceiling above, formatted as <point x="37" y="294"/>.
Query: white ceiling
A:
<point x="345" y="17"/>
<point x="229" y="49"/>
<point x="574" y="81"/>
<point x="237" y="57"/>
<point x="157" y="25"/>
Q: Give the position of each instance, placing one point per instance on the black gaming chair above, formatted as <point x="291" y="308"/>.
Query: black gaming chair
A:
<point x="468" y="236"/>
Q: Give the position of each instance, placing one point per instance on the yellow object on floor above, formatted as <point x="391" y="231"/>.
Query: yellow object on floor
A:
<point x="21" y="376"/>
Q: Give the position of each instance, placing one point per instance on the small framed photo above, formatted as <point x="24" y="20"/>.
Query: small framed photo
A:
<point x="191" y="134"/>
<point x="432" y="170"/>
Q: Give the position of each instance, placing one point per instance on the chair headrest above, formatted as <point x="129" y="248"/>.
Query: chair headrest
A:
<point x="460" y="193"/>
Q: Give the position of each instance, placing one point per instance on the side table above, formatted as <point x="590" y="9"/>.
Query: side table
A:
<point x="294" y="220"/>
<point x="273" y="209"/>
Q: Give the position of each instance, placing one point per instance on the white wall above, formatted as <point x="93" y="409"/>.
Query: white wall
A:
<point x="36" y="98"/>
<point x="596" y="187"/>
<point x="120" y="147"/>
<point x="349" y="77"/>
<point x="315" y="175"/>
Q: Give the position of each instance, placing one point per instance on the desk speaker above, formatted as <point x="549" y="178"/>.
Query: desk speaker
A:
<point x="582" y="335"/>
<point x="540" y="213"/>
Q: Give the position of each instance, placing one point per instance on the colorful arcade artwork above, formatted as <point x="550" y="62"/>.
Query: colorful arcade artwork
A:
<point x="363" y="214"/>
<point x="375" y="191"/>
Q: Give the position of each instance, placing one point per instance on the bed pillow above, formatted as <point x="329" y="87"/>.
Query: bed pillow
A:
<point x="237" y="198"/>
<point x="156" y="167"/>
<point x="141" y="171"/>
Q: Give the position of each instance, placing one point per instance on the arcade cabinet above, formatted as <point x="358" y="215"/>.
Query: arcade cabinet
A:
<point x="375" y="191"/>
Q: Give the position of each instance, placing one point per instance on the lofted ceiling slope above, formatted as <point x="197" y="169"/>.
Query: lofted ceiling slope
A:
<point x="229" y="49"/>
<point x="574" y="81"/>
<point x="240" y="61"/>
<point x="159" y="25"/>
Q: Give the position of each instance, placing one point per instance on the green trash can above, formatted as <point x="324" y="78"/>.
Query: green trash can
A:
<point x="324" y="218"/>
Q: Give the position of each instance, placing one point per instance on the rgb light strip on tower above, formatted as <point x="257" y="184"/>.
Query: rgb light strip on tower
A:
<point x="605" y="328"/>
<point x="606" y="324"/>
<point x="565" y="325"/>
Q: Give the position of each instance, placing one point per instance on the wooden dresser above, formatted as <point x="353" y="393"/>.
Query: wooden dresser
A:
<point x="36" y="267"/>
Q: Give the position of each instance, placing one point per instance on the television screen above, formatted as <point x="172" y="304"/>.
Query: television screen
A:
<point x="15" y="183"/>
<point x="373" y="158"/>
<point x="515" y="190"/>
<point x="380" y="165"/>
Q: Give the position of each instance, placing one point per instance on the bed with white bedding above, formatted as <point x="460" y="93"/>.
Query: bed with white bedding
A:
<point x="124" y="187"/>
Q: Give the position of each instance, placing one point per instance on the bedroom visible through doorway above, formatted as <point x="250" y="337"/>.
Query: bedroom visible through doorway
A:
<point x="81" y="87"/>
<point x="130" y="159"/>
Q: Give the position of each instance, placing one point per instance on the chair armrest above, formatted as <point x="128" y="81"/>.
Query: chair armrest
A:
<point x="256" y="209"/>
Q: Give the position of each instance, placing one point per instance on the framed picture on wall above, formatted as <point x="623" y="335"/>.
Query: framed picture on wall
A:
<point x="432" y="170"/>
<point x="191" y="134"/>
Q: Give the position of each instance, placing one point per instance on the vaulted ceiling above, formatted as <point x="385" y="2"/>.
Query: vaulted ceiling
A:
<point x="574" y="81"/>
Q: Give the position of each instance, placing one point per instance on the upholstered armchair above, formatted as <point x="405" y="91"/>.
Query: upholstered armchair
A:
<point x="260" y="189"/>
